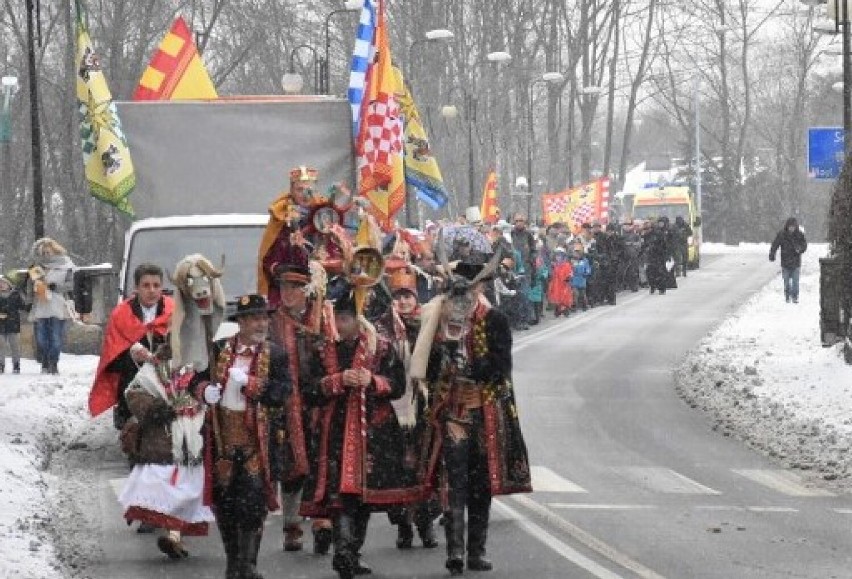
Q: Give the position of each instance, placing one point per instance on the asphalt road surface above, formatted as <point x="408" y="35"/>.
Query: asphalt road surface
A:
<point x="630" y="482"/>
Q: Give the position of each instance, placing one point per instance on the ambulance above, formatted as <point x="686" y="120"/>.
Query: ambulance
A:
<point x="671" y="201"/>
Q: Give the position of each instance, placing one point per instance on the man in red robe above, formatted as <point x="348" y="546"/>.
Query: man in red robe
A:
<point x="136" y="328"/>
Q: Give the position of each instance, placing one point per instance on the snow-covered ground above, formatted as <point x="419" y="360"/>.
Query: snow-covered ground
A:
<point x="762" y="373"/>
<point x="766" y="379"/>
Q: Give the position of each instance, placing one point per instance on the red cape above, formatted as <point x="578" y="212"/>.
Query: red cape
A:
<point x="122" y="331"/>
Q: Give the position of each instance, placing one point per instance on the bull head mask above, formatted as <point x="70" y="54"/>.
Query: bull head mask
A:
<point x="461" y="297"/>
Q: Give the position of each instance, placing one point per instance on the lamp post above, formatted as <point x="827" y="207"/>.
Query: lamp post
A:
<point x="292" y="82"/>
<point x="547" y="77"/>
<point x="325" y="68"/>
<point x="450" y="111"/>
<point x="35" y="128"/>
<point x="438" y="34"/>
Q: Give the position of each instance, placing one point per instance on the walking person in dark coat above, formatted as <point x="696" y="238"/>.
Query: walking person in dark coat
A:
<point x="11" y="304"/>
<point x="792" y="242"/>
<point x="682" y="233"/>
<point x="658" y="249"/>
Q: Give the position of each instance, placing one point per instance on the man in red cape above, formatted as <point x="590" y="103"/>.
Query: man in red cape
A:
<point x="137" y="326"/>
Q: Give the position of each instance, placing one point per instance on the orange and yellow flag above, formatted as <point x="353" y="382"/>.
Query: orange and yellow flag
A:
<point x="176" y="71"/>
<point x="488" y="209"/>
<point x="381" y="169"/>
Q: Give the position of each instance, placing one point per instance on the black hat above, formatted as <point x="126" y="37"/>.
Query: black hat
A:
<point x="468" y="270"/>
<point x="250" y="304"/>
<point x="341" y="293"/>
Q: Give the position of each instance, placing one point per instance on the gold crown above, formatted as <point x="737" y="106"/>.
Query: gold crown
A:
<point x="304" y="173"/>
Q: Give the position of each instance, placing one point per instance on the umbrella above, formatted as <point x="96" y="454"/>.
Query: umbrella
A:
<point x="479" y="242"/>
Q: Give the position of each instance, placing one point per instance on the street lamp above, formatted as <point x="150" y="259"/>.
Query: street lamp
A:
<point x="546" y="78"/>
<point x="292" y="82"/>
<point x="450" y="111"/>
<point x="438" y="34"/>
<point x="325" y="68"/>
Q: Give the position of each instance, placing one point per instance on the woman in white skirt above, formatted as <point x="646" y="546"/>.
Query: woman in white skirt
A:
<point x="166" y="486"/>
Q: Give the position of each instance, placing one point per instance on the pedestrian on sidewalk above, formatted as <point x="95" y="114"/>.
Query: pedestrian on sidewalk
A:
<point x="11" y="304"/>
<point x="791" y="241"/>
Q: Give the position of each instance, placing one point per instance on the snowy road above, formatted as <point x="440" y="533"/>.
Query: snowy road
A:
<point x="630" y="481"/>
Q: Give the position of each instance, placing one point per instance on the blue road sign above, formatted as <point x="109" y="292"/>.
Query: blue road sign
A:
<point x="825" y="152"/>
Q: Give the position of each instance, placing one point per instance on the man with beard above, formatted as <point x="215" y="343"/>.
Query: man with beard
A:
<point x="360" y="441"/>
<point x="400" y="326"/>
<point x="250" y="376"/>
<point x="464" y="352"/>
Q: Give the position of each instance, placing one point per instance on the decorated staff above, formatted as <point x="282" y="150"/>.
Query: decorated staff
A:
<point x="250" y="376"/>
<point x="464" y="352"/>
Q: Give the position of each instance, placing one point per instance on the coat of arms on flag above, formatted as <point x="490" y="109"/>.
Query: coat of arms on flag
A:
<point x="582" y="204"/>
<point x="106" y="158"/>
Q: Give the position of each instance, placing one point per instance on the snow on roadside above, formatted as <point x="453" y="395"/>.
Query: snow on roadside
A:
<point x="766" y="379"/>
<point x="39" y="416"/>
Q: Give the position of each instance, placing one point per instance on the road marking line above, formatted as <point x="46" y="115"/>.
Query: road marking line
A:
<point x="555" y="544"/>
<point x="785" y="482"/>
<point x="546" y="481"/>
<point x="843" y="511"/>
<point x="117" y="485"/>
<point x="719" y="508"/>
<point x="584" y="537"/>
<point x="665" y="480"/>
<point x="772" y="509"/>
<point x="592" y="507"/>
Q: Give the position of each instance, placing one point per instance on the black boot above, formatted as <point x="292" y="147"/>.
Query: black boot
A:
<point x="344" y="554"/>
<point x="427" y="535"/>
<point x="359" y="529"/>
<point x="477" y="533"/>
<point x="455" y="541"/>
<point x="250" y="558"/>
<point x="16" y="368"/>
<point x="404" y="535"/>
<point x="322" y="540"/>
<point x="229" y="539"/>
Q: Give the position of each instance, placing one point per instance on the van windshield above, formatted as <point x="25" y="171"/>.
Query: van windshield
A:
<point x="165" y="247"/>
<point x="670" y="210"/>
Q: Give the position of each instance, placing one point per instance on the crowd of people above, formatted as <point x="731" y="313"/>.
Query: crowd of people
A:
<point x="361" y="378"/>
<point x="558" y="269"/>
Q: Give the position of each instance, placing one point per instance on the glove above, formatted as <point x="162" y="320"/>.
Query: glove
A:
<point x="51" y="287"/>
<point x="771" y="258"/>
<point x="212" y="394"/>
<point x="238" y="376"/>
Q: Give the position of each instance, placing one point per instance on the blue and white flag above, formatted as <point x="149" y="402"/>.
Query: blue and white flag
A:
<point x="362" y="55"/>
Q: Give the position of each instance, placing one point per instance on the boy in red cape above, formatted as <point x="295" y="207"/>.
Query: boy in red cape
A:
<point x="136" y="327"/>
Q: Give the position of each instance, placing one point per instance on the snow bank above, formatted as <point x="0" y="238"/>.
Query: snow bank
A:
<point x="764" y="377"/>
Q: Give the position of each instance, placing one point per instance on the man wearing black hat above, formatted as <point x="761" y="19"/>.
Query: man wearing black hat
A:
<point x="250" y="376"/>
<point x="464" y="352"/>
<point x="360" y="441"/>
<point x="295" y="327"/>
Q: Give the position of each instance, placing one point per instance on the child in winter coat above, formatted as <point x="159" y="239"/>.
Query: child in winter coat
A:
<point x="536" y="293"/>
<point x="11" y="305"/>
<point x="559" y="289"/>
<point x="582" y="270"/>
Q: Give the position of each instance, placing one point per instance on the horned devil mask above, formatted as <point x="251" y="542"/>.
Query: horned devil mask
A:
<point x="462" y="294"/>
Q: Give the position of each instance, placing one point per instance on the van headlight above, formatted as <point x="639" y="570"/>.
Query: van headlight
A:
<point x="690" y="240"/>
